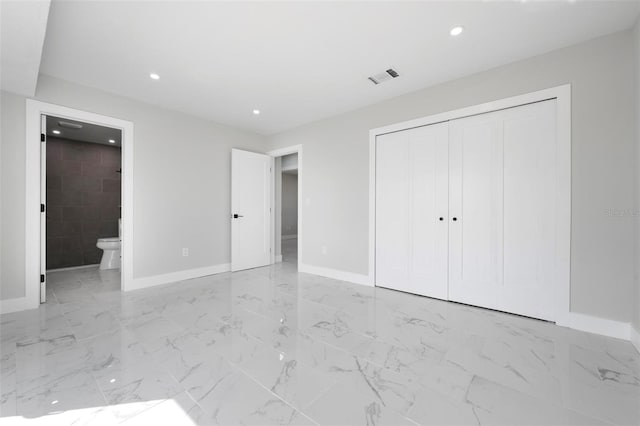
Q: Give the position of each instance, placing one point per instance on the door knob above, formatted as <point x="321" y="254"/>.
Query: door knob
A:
<point x="236" y="215"/>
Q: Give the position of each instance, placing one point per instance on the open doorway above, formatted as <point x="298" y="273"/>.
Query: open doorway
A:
<point x="36" y="275"/>
<point x="82" y="169"/>
<point x="287" y="187"/>
<point x="288" y="210"/>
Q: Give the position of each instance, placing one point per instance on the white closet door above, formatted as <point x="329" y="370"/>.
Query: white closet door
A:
<point x="502" y="193"/>
<point x="530" y="175"/>
<point x="475" y="208"/>
<point x="411" y="210"/>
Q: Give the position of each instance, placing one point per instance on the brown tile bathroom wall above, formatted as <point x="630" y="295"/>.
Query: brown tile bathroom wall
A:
<point x="83" y="199"/>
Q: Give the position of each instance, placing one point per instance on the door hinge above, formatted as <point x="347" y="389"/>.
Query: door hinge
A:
<point x="41" y="208"/>
<point x="41" y="278"/>
<point x="42" y="137"/>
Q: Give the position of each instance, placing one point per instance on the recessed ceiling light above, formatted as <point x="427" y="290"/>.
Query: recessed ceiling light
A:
<point x="456" y="31"/>
<point x="154" y="76"/>
<point x="56" y="132"/>
<point x="256" y="112"/>
<point x="112" y="141"/>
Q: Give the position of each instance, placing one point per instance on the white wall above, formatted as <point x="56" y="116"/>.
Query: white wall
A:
<point x="181" y="182"/>
<point x="335" y="198"/>
<point x="636" y="37"/>
<point x="289" y="204"/>
<point x="12" y="184"/>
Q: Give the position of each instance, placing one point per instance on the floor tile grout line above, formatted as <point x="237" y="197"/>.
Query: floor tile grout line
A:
<point x="272" y="393"/>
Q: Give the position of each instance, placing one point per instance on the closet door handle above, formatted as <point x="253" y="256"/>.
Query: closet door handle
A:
<point x="454" y="219"/>
<point x="441" y="219"/>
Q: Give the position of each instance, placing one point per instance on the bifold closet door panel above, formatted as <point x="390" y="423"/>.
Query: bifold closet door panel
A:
<point x="530" y="190"/>
<point x="411" y="210"/>
<point x="503" y="173"/>
<point x="475" y="209"/>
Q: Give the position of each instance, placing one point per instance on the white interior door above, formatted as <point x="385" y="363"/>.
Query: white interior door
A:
<point x="411" y="210"/>
<point x="475" y="207"/>
<point x="250" y="210"/>
<point x="43" y="208"/>
<point x="502" y="250"/>
<point x="530" y="220"/>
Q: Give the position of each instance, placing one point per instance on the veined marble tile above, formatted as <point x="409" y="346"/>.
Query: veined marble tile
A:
<point x="229" y="342"/>
<point x="75" y="295"/>
<point x="38" y="364"/>
<point x="274" y="346"/>
<point x="348" y="405"/>
<point x="128" y="310"/>
<point x="178" y="410"/>
<point x="497" y="404"/>
<point x="74" y="390"/>
<point x="287" y="377"/>
<point x="47" y="326"/>
<point x="91" y="321"/>
<point x="201" y="318"/>
<point x="444" y="377"/>
<point x="433" y="408"/>
<point x="194" y="365"/>
<point x="602" y="386"/>
<point x="134" y="388"/>
<point x="335" y="327"/>
<point x="8" y="384"/>
<point x="150" y="327"/>
<point x="236" y="399"/>
<point x="117" y="348"/>
<point x="513" y="366"/>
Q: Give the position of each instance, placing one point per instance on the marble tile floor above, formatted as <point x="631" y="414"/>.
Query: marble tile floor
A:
<point x="274" y="346"/>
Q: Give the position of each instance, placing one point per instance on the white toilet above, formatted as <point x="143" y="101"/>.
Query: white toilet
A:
<point x="111" y="248"/>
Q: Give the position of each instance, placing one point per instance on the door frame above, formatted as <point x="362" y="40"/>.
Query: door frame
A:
<point x="562" y="95"/>
<point x="294" y="149"/>
<point x="33" y="175"/>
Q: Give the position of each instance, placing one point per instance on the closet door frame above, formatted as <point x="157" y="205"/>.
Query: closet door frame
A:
<point x="562" y="95"/>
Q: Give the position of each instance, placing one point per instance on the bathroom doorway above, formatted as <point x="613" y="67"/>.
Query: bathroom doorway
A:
<point x="80" y="206"/>
<point x="82" y="166"/>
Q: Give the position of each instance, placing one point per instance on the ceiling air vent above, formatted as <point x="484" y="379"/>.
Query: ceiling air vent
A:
<point x="384" y="76"/>
<point x="68" y="125"/>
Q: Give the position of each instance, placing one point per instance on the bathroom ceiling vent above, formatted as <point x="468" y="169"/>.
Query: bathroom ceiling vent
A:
<point x="384" y="76"/>
<point x="68" y="125"/>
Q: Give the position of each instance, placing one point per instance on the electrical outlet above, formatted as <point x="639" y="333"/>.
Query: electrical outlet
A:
<point x="185" y="252"/>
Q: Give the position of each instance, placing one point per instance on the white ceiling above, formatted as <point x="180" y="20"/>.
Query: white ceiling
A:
<point x="22" y="29"/>
<point x="87" y="133"/>
<point x="301" y="61"/>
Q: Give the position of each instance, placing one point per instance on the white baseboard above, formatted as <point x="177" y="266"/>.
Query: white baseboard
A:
<point x="140" y="283"/>
<point x="335" y="274"/>
<point x="73" y="268"/>
<point x="14" y="305"/>
<point x="289" y="237"/>
<point x="278" y="258"/>
<point x="597" y="325"/>
<point x="635" y="338"/>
